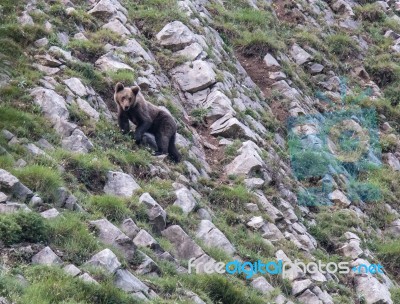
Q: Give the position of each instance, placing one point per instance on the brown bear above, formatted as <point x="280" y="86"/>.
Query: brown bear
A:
<point x="147" y="118"/>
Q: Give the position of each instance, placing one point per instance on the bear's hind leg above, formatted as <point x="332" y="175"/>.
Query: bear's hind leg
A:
<point x="162" y="143"/>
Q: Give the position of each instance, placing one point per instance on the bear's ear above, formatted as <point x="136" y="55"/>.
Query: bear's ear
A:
<point x="135" y="90"/>
<point x="119" y="87"/>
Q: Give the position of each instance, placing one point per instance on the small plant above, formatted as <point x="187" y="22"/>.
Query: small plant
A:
<point x="112" y="207"/>
<point x="23" y="227"/>
<point x="231" y="197"/>
<point x="342" y="45"/>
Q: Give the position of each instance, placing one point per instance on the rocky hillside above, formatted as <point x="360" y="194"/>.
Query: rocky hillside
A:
<point x="288" y="123"/>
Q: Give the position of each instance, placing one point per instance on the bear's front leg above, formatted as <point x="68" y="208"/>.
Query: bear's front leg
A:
<point x="123" y="122"/>
<point x="140" y="130"/>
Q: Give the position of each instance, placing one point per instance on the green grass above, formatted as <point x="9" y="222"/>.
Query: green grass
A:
<point x="23" y="227"/>
<point x="41" y="179"/>
<point x="342" y="45"/>
<point x="52" y="285"/>
<point x="370" y="12"/>
<point x="127" y="77"/>
<point x="113" y="208"/>
<point x="161" y="190"/>
<point x="70" y="234"/>
<point x="231" y="197"/>
<point x="23" y="124"/>
<point x="331" y="225"/>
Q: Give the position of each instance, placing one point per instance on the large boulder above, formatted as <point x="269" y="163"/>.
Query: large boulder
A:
<point x="185" y="200"/>
<point x="372" y="290"/>
<point x="218" y="105"/>
<point x="229" y="126"/>
<point x="77" y="142"/>
<point x="120" y="184"/>
<point x="106" y="260"/>
<point x="46" y="257"/>
<point x="213" y="237"/>
<point x="299" y="55"/>
<point x="52" y="105"/>
<point x="128" y="282"/>
<point x="111" y="235"/>
<point x="194" y="76"/>
<point x="248" y="161"/>
<point x="11" y="185"/>
<point x="175" y="36"/>
<point x="111" y="63"/>
<point x="76" y="86"/>
<point x="184" y="247"/>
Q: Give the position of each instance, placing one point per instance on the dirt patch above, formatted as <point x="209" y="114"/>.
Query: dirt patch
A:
<point x="287" y="11"/>
<point x="258" y="72"/>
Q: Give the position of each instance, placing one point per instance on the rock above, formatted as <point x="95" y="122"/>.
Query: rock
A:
<point x="120" y="184"/>
<point x="134" y="49"/>
<point x="34" y="150"/>
<point x="270" y="61"/>
<point x="52" y="105"/>
<point x="217" y="105"/>
<point x="148" y="200"/>
<point x="316" y="68"/>
<point x="87" y="279"/>
<point x="11" y="185"/>
<point x="262" y="285"/>
<point x="185" y="200"/>
<point x="339" y="198"/>
<point x="7" y="134"/>
<point x="184" y="247"/>
<point x="144" y="239"/>
<point x="51" y="213"/>
<point x="77" y="142"/>
<point x="204" y="214"/>
<point x="106" y="260"/>
<point x="117" y="27"/>
<point x="41" y="42"/>
<point x="44" y="144"/>
<point x="60" y="53"/>
<point x="256" y="222"/>
<point x="72" y="270"/>
<point x="393" y="229"/>
<point x="299" y="286"/>
<point x="76" y="86"/>
<point x="80" y="36"/>
<point x="352" y="249"/>
<point x="104" y="9"/>
<point x="252" y="207"/>
<point x="3" y="198"/>
<point x="20" y="163"/>
<point x="25" y="19"/>
<point x="158" y="218"/>
<point x="128" y="282"/>
<point x="175" y="36"/>
<point x="191" y="52"/>
<point x="36" y="201"/>
<point x="299" y="55"/>
<point x="229" y="126"/>
<point x="247" y="162"/>
<point x="371" y="290"/>
<point x="13" y="207"/>
<point x="129" y="228"/>
<point x="308" y="297"/>
<point x="213" y="237"/>
<point x="194" y="76"/>
<point x="110" y="63"/>
<point x="277" y="75"/>
<point x="392" y="161"/>
<point x="254" y="183"/>
<point x="46" y="257"/>
<point x="111" y="235"/>
<point x="147" y="266"/>
<point x="87" y="109"/>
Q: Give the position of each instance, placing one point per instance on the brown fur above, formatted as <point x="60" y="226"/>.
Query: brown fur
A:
<point x="147" y="118"/>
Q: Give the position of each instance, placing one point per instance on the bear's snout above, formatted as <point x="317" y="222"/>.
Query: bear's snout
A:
<point x="126" y="108"/>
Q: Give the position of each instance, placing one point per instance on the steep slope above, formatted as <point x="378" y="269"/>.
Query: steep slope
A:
<point x="287" y="117"/>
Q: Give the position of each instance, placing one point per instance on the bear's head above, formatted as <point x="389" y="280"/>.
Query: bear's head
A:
<point x="125" y="97"/>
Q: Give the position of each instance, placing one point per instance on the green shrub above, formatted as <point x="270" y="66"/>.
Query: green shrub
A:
<point x="23" y="227"/>
<point x="309" y="163"/>
<point x="383" y="70"/>
<point x="112" y="207"/>
<point x="388" y="252"/>
<point x="44" y="180"/>
<point x="395" y="293"/>
<point x="161" y="190"/>
<point x="370" y="12"/>
<point x="342" y="45"/>
<point x="332" y="225"/>
<point x="70" y="234"/>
